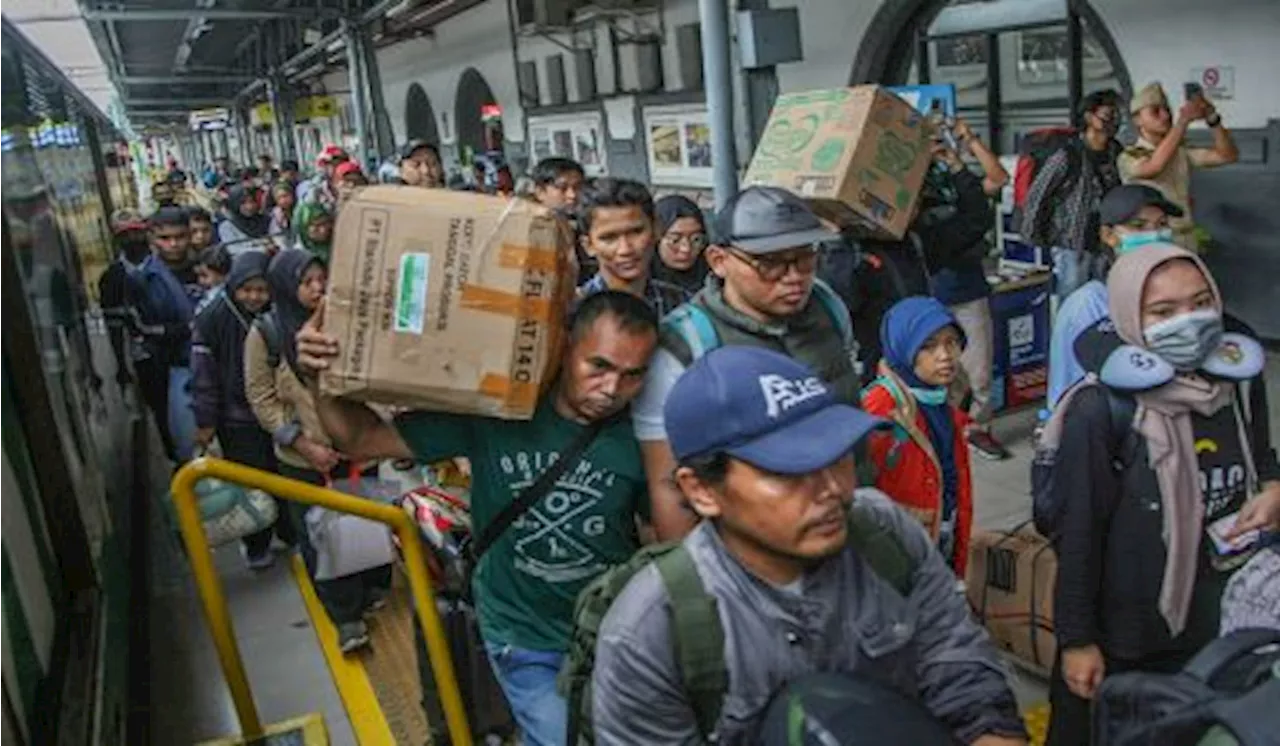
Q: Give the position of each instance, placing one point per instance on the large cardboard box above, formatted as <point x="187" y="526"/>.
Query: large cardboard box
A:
<point x="448" y="301"/>
<point x="1010" y="582"/>
<point x="859" y="155"/>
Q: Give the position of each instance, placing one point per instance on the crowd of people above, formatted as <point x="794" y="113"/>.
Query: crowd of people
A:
<point x="792" y="403"/>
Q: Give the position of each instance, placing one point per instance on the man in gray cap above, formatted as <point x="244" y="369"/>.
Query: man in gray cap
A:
<point x="762" y="292"/>
<point x="1161" y="158"/>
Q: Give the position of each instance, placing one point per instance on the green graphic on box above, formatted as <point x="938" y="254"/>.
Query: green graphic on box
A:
<point x="411" y="293"/>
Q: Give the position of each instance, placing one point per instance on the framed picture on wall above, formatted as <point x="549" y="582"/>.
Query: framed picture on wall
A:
<point x="678" y="142"/>
<point x="576" y="136"/>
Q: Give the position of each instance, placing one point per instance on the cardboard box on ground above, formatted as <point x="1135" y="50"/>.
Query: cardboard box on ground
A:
<point x="859" y="155"/>
<point x="1010" y="584"/>
<point x="447" y="301"/>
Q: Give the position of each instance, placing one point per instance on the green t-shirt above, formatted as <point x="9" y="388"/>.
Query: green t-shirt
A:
<point x="530" y="577"/>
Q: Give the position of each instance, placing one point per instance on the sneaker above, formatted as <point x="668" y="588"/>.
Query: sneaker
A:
<point x="259" y="562"/>
<point x="987" y="446"/>
<point x="352" y="636"/>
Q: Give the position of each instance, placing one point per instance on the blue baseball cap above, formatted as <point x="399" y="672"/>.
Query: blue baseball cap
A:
<point x="763" y="408"/>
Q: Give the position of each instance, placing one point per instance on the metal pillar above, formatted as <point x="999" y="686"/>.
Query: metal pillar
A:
<point x="282" y="111"/>
<point x="760" y="87"/>
<point x="714" y="16"/>
<point x="359" y="99"/>
<point x="1075" y="72"/>
<point x="383" y="134"/>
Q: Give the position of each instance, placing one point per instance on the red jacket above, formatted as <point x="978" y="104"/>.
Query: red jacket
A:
<point x="907" y="468"/>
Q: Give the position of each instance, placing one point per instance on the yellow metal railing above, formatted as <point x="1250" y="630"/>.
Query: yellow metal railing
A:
<point x="215" y="602"/>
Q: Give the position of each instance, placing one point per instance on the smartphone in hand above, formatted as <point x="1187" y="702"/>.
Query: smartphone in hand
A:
<point x="1192" y="90"/>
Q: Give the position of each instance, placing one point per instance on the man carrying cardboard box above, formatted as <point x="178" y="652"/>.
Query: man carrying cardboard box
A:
<point x="575" y="525"/>
<point x="762" y="293"/>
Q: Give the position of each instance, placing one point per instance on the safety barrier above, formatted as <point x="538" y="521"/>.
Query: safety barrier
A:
<point x="215" y="603"/>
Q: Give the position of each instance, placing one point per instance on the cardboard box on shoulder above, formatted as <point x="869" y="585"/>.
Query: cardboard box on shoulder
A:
<point x="859" y="155"/>
<point x="447" y="301"/>
<point x="1010" y="582"/>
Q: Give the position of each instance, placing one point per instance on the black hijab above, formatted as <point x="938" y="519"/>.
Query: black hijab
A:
<point x="284" y="276"/>
<point x="667" y="211"/>
<point x="224" y="324"/>
<point x="257" y="226"/>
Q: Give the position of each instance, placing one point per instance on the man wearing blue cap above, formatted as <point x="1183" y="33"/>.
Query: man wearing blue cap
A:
<point x="799" y="581"/>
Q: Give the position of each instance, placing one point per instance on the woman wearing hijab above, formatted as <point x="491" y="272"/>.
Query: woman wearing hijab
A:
<point x="282" y="214"/>
<point x="218" y="394"/>
<point x="923" y="462"/>
<point x="247" y="226"/>
<point x="314" y="224"/>
<point x="285" y="408"/>
<point x="1147" y="508"/>
<point x="682" y="237"/>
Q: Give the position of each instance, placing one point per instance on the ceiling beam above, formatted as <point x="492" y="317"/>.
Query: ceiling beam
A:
<point x="195" y="103"/>
<point x="228" y="78"/>
<point x="188" y="13"/>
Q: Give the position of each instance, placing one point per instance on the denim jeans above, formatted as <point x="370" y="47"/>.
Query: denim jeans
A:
<point x="1073" y="268"/>
<point x="182" y="418"/>
<point x="528" y="679"/>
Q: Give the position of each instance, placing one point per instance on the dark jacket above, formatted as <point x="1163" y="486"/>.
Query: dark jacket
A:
<point x="1111" y="553"/>
<point x="166" y="300"/>
<point x="1061" y="208"/>
<point x="879" y="273"/>
<point x="217" y="351"/>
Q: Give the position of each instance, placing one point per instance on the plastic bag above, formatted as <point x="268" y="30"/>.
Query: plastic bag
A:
<point x="346" y="544"/>
<point x="230" y="512"/>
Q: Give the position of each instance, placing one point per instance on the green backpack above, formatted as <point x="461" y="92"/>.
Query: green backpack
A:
<point x="697" y="635"/>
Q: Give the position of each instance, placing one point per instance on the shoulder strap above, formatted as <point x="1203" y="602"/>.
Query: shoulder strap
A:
<point x="697" y="635"/>
<point x="692" y="324"/>
<point x="269" y="327"/>
<point x="835" y="309"/>
<point x="883" y="550"/>
<point x="536" y="491"/>
<point x="1122" y="408"/>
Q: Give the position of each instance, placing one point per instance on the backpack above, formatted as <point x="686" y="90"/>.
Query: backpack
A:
<point x="838" y="708"/>
<point x="693" y="324"/>
<point x="1226" y="695"/>
<point x="697" y="636"/>
<point x="1034" y="149"/>
<point x="272" y="335"/>
<point x="1046" y="508"/>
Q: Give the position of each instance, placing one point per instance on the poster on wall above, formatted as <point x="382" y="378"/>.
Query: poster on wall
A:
<point x="576" y="136"/>
<point x="678" y="139"/>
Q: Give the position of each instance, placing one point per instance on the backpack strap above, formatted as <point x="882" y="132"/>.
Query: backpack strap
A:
<point x="882" y="549"/>
<point x="269" y="327"/>
<point x="692" y="325"/>
<point x="835" y="309"/>
<point x="698" y="637"/>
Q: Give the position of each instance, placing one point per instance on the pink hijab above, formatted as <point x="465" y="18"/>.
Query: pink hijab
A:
<point x="1163" y="418"/>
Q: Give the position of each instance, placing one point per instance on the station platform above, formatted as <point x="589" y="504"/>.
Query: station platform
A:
<point x="372" y="698"/>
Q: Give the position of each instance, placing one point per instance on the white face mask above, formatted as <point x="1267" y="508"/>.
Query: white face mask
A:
<point x="1186" y="340"/>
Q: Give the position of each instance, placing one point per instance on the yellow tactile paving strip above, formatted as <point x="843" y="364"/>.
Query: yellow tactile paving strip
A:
<point x="392" y="666"/>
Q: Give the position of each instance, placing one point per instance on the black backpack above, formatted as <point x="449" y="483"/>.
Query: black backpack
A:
<point x="838" y="708"/>
<point x="1046" y="508"/>
<point x="1228" y="695"/>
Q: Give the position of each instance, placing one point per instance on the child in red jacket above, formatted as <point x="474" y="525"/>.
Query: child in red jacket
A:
<point x="923" y="462"/>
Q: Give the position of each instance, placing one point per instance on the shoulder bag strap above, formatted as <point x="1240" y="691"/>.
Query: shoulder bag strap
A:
<point x="698" y="637"/>
<point x="536" y="491"/>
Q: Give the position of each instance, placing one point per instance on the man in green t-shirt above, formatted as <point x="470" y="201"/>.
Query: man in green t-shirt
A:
<point x="527" y="582"/>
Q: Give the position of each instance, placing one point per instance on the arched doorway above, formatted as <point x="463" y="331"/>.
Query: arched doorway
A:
<point x="1013" y="72"/>
<point x="473" y="95"/>
<point x="419" y="117"/>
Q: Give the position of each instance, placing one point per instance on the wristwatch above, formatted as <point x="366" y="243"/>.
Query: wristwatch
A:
<point x="1213" y="120"/>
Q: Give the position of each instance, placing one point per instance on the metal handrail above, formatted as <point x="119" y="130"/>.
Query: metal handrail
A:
<point x="214" y="601"/>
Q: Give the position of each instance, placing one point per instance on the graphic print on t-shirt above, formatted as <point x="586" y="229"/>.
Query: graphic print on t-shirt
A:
<point x="551" y="539"/>
<point x="1223" y="478"/>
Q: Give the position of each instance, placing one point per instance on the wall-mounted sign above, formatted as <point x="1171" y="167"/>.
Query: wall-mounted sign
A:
<point x="1219" y="81"/>
<point x="210" y="119"/>
<point x="679" y="144"/>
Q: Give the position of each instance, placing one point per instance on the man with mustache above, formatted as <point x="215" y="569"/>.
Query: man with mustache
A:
<point x="764" y="453"/>
<point x="525" y="585"/>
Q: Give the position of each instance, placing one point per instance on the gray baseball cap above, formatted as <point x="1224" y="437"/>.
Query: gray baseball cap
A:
<point x="765" y="219"/>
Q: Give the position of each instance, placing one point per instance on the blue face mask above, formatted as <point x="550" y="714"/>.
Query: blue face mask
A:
<point x="930" y="397"/>
<point x="1138" y="239"/>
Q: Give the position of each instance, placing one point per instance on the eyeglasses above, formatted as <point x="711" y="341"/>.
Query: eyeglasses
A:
<point x="695" y="241"/>
<point x="773" y="267"/>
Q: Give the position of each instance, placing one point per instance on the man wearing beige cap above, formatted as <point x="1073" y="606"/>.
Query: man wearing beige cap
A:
<point x="1161" y="158"/>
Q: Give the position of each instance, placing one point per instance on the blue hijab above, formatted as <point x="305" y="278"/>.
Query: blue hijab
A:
<point x="903" y="331"/>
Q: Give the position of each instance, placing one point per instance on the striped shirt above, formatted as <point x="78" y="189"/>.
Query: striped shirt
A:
<point x="664" y="297"/>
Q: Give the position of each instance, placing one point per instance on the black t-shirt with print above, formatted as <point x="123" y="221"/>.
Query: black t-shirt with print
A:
<point x="1225" y="486"/>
